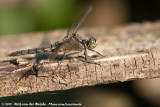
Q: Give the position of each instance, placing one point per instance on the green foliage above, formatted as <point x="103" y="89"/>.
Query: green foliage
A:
<point x="39" y="16"/>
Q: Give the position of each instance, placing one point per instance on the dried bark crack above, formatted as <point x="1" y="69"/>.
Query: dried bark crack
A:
<point x="130" y="52"/>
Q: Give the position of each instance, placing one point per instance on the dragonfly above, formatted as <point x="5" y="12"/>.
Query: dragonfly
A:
<point x="71" y="42"/>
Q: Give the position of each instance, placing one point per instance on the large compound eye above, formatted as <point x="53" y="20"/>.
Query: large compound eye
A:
<point x="92" y="43"/>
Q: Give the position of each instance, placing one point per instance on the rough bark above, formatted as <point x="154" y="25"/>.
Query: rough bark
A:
<point x="130" y="52"/>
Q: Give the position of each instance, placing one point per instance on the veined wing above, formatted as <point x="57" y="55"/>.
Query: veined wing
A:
<point x="74" y="28"/>
<point x="69" y="42"/>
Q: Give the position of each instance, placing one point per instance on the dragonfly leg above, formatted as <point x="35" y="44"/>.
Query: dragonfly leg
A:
<point x="72" y="53"/>
<point x="96" y="52"/>
<point x="86" y="56"/>
<point x="64" y="56"/>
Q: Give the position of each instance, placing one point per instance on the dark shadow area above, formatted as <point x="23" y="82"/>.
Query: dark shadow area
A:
<point x="144" y="10"/>
<point x="77" y="95"/>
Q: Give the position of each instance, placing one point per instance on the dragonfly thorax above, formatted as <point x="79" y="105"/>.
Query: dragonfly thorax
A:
<point x="91" y="43"/>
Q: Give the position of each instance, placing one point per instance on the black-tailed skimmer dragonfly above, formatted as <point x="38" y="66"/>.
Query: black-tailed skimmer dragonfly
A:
<point x="70" y="43"/>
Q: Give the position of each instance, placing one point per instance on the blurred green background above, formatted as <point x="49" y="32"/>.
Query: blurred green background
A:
<point x="22" y="16"/>
<point x="31" y="16"/>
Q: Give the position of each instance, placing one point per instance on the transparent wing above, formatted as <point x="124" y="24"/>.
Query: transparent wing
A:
<point x="71" y="31"/>
<point x="74" y="27"/>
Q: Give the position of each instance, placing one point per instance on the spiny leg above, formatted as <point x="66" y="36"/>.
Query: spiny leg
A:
<point x="95" y="51"/>
<point x="86" y="56"/>
<point x="64" y="56"/>
<point x="85" y="53"/>
<point x="72" y="53"/>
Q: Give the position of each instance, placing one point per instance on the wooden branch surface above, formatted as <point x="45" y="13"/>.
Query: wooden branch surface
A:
<point x="130" y="52"/>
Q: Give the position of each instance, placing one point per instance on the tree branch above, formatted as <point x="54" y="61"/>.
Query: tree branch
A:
<point x="130" y="52"/>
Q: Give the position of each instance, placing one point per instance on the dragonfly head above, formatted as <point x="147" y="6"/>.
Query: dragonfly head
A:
<point x="91" y="43"/>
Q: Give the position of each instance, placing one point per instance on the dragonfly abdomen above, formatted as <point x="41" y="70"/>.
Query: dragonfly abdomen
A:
<point x="33" y="51"/>
<point x="49" y="48"/>
<point x="30" y="51"/>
